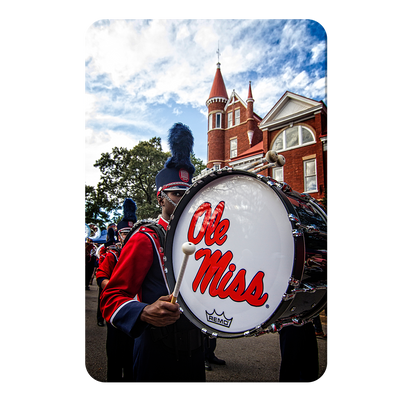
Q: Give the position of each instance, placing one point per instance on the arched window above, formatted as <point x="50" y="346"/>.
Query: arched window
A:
<point x="295" y="136"/>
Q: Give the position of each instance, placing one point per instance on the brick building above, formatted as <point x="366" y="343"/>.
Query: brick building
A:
<point x="295" y="127"/>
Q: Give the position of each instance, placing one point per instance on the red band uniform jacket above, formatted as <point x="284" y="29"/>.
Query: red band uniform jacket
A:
<point x="173" y="353"/>
<point x="107" y="265"/>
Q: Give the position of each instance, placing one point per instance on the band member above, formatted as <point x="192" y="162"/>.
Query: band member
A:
<point x="90" y="261"/>
<point x="109" y="246"/>
<point x="109" y="259"/>
<point x="299" y="354"/>
<point x="111" y="229"/>
<point x="112" y="253"/>
<point x="119" y="346"/>
<point x="137" y="300"/>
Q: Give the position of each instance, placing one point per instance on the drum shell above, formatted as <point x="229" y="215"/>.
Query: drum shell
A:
<point x="306" y="246"/>
<point x="313" y="221"/>
<point x="312" y="300"/>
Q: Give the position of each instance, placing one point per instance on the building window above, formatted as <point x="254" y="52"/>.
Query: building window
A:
<point x="310" y="176"/>
<point x="229" y="119"/>
<point x="292" y="137"/>
<point x="295" y="136"/>
<point x="233" y="148"/>
<point x="277" y="174"/>
<point x="210" y="122"/>
<point x="237" y="116"/>
<point x="218" y="120"/>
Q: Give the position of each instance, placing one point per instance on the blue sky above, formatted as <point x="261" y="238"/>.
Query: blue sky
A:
<point x="142" y="76"/>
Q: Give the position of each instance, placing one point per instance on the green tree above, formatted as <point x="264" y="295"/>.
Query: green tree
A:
<point x="95" y="207"/>
<point x="129" y="173"/>
<point x="198" y="164"/>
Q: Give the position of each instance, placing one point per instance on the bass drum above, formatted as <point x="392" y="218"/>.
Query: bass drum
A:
<point x="260" y="259"/>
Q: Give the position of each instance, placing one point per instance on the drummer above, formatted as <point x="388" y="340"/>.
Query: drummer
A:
<point x="168" y="347"/>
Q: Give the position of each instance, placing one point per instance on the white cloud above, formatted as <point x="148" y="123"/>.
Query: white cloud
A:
<point x="98" y="142"/>
<point x="318" y="52"/>
<point x="300" y="81"/>
<point x="133" y="66"/>
<point x="175" y="59"/>
<point x="90" y="105"/>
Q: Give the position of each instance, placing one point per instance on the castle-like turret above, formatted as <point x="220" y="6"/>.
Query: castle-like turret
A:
<point x="216" y="120"/>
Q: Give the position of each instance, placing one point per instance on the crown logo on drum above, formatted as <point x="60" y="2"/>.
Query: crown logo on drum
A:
<point x="219" y="319"/>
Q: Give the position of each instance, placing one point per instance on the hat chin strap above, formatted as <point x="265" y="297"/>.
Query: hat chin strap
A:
<point x="165" y="196"/>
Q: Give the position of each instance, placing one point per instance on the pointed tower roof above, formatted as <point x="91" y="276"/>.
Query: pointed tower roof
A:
<point x="250" y="95"/>
<point x="218" y="88"/>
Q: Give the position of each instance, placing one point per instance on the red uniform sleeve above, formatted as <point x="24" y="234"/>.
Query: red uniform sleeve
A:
<point x="106" y="267"/>
<point x="102" y="254"/>
<point x="131" y="269"/>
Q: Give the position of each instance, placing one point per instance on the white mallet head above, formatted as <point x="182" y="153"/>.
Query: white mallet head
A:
<point x="272" y="156"/>
<point x="281" y="160"/>
<point x="188" y="248"/>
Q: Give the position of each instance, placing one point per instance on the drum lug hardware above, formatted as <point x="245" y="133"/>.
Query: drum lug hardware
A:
<point x="306" y="228"/>
<point x="311" y="229"/>
<point x="273" y="328"/>
<point x="294" y="282"/>
<point x="297" y="321"/>
<point x="293" y="218"/>
<point x="286" y="188"/>
<point x="262" y="330"/>
<point x="309" y="288"/>
<point x="297" y="233"/>
<point x="305" y="288"/>
<point x="288" y="296"/>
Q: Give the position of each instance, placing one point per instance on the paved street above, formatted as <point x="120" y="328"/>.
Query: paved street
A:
<point x="254" y="359"/>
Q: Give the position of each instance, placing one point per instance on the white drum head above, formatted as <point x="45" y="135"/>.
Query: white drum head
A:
<point x="235" y="280"/>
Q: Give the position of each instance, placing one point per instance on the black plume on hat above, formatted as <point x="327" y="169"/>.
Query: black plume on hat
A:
<point x="129" y="207"/>
<point x="178" y="170"/>
<point x="180" y="141"/>
<point x="129" y="218"/>
<point x="110" y="237"/>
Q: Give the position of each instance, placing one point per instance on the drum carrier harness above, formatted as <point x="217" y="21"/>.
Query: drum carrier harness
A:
<point x="150" y="223"/>
<point x="175" y="336"/>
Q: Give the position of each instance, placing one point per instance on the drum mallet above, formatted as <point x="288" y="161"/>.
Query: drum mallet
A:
<point x="279" y="163"/>
<point x="188" y="249"/>
<point x="270" y="157"/>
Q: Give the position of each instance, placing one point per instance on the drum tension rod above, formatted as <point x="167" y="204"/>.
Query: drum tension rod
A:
<point x="306" y="228"/>
<point x="304" y="288"/>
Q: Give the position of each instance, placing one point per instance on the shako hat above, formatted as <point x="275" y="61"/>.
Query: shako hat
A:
<point x="178" y="170"/>
<point x="129" y="217"/>
<point x="110" y="237"/>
